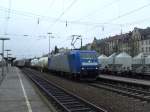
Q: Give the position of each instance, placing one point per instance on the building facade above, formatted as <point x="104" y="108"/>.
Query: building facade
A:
<point x="133" y="43"/>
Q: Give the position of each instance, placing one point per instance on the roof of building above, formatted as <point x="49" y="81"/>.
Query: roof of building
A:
<point x="122" y="37"/>
<point x="145" y="33"/>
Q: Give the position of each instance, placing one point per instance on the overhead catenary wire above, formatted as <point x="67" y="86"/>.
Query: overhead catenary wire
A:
<point x="9" y="9"/>
<point x="49" y="7"/>
<point x="82" y="23"/>
<point x="128" y="13"/>
<point x="66" y="10"/>
<point x="99" y="10"/>
<point x="16" y="35"/>
<point x="137" y="21"/>
<point x="26" y="14"/>
<point x="43" y="36"/>
<point x="101" y="23"/>
<point x="7" y="17"/>
<point x="88" y="23"/>
<point x="51" y="19"/>
<point x="29" y="14"/>
<point x="51" y="4"/>
<point x="121" y="16"/>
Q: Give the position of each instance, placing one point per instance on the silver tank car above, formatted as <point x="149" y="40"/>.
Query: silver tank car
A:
<point x="43" y="63"/>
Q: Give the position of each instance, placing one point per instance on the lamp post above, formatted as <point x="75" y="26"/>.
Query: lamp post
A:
<point x="7" y="50"/>
<point x="49" y="33"/>
<point x="11" y="59"/>
<point x="3" y="39"/>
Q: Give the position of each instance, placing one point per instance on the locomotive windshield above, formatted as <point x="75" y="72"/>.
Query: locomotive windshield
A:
<point x="88" y="55"/>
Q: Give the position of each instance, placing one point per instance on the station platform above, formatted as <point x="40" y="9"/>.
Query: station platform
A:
<point x="127" y="80"/>
<point x="18" y="94"/>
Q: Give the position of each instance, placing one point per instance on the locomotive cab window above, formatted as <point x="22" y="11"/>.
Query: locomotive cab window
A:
<point x="88" y="56"/>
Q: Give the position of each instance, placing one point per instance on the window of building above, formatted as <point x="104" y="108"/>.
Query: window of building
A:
<point x="142" y="42"/>
<point x="147" y="42"/>
<point x="146" y="49"/>
<point x="142" y="49"/>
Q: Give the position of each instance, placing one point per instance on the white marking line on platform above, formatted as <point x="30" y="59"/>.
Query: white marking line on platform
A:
<point x="24" y="93"/>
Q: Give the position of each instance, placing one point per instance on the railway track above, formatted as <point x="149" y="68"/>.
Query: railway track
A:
<point x="140" y="94"/>
<point x="65" y="100"/>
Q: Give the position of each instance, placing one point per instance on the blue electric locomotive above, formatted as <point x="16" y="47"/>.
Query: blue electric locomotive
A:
<point x="80" y="64"/>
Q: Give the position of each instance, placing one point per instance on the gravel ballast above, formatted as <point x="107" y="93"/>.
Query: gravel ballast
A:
<point x="110" y="101"/>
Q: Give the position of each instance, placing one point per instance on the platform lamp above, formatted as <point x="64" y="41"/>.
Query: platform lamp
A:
<point x="3" y="39"/>
<point x="50" y="36"/>
<point x="49" y="33"/>
<point x="7" y="50"/>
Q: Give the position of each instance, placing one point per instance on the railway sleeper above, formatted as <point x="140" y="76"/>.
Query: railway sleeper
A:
<point x="71" y="103"/>
<point x="87" y="108"/>
<point x="68" y="100"/>
<point x="62" y="97"/>
<point x="74" y="106"/>
<point x="81" y="110"/>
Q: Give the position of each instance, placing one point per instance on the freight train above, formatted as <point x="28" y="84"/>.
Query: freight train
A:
<point x="22" y="63"/>
<point x="77" y="64"/>
<point x="86" y="64"/>
<point x="124" y="64"/>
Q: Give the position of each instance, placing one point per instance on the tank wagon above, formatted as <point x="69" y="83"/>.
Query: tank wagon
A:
<point x="116" y="64"/>
<point x="110" y="67"/>
<point x="79" y="64"/>
<point x="141" y="65"/>
<point x="147" y="65"/>
<point x="27" y="62"/>
<point x="22" y="63"/>
<point x="34" y="62"/>
<point x="19" y="63"/>
<point x="43" y="64"/>
<point x="103" y="63"/>
<point x="124" y="64"/>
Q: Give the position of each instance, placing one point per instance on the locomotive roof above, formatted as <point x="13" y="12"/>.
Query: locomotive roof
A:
<point x="88" y="51"/>
<point x="75" y="51"/>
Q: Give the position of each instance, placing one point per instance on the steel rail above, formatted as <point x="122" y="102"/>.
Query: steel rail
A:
<point x="132" y="92"/>
<point x="67" y="101"/>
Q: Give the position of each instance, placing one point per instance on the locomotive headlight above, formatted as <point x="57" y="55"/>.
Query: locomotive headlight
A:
<point x="82" y="68"/>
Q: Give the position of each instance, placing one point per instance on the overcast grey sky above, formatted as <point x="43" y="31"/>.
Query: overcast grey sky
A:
<point x="89" y="18"/>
